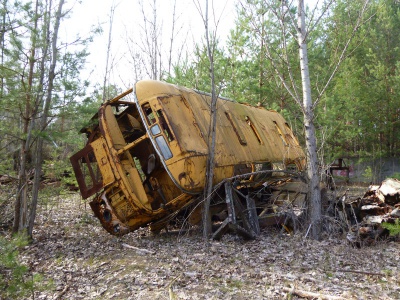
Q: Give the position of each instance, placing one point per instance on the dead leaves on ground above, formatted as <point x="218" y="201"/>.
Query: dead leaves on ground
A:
<point x="82" y="261"/>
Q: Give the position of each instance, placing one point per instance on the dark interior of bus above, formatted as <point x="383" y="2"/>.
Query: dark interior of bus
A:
<point x="141" y="156"/>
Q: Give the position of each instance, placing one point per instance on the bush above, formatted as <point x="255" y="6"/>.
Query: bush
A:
<point x="15" y="280"/>
<point x="394" y="229"/>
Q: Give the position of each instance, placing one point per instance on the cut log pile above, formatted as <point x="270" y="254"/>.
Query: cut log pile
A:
<point x="379" y="205"/>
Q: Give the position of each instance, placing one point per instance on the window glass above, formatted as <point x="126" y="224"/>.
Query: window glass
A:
<point x="155" y="130"/>
<point x="163" y="146"/>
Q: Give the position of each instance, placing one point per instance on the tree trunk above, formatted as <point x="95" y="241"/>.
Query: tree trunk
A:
<point x="21" y="201"/>
<point x="43" y="120"/>
<point x="211" y="138"/>
<point x="2" y="42"/>
<point x="310" y="135"/>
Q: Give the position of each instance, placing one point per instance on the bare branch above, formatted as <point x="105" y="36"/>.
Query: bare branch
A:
<point x="172" y="38"/>
<point x="292" y="93"/>
<point x="311" y="26"/>
<point x="291" y="86"/>
<point x="342" y="57"/>
<point x="106" y="75"/>
<point x="199" y="10"/>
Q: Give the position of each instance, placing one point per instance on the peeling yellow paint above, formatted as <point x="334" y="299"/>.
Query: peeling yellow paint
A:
<point x="150" y="152"/>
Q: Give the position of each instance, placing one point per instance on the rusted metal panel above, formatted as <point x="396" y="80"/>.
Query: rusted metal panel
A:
<point x="151" y="152"/>
<point x="103" y="162"/>
<point x="85" y="168"/>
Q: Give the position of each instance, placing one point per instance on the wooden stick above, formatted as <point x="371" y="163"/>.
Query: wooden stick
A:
<point x="311" y="295"/>
<point x="138" y="249"/>
<point x="172" y="295"/>
<point x="58" y="296"/>
<point x="361" y="272"/>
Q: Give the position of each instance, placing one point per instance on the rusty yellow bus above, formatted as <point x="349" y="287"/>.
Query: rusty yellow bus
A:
<point x="146" y="151"/>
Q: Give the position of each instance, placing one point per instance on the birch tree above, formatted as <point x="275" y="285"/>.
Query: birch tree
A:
<point x="309" y="126"/>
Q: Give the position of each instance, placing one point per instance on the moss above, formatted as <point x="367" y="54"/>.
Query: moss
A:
<point x="394" y="229"/>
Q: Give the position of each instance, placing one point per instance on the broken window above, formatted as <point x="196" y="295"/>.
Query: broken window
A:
<point x="159" y="129"/>
<point x="148" y="112"/>
<point x="87" y="171"/>
<point x="138" y="166"/>
<point x="261" y="167"/>
<point x="254" y="129"/>
<point x="281" y="134"/>
<point x="90" y="172"/>
<point x="292" y="139"/>
<point x="292" y="167"/>
<point x="236" y="128"/>
<point x="164" y="125"/>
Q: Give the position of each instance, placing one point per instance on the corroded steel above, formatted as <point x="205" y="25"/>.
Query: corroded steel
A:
<point x="146" y="155"/>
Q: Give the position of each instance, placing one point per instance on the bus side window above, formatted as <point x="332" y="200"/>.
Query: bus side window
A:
<point x="281" y="134"/>
<point x="254" y="129"/>
<point x="236" y="128"/>
<point x="164" y="126"/>
<point x="148" y="113"/>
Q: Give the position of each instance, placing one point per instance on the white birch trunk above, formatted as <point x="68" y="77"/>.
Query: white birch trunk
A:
<point x="311" y="140"/>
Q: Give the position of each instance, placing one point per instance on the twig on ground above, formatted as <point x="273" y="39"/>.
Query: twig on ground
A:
<point x="138" y="249"/>
<point x="361" y="272"/>
<point x="311" y="295"/>
<point x="60" y="294"/>
<point x="172" y="295"/>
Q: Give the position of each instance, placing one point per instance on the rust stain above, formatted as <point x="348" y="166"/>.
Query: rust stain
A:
<point x="146" y="159"/>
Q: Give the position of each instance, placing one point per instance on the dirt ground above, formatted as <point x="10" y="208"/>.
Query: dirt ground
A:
<point x="80" y="260"/>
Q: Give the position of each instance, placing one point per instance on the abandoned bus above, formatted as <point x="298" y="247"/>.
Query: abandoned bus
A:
<point x="146" y="152"/>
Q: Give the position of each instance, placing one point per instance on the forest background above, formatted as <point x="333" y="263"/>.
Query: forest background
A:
<point x="49" y="88"/>
<point x="59" y="60"/>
